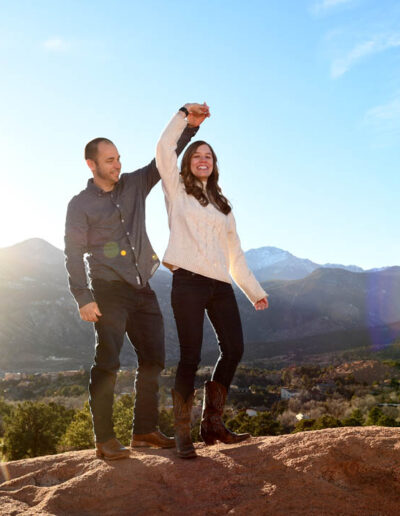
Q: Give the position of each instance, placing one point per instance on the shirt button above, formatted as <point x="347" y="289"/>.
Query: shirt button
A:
<point x="132" y="248"/>
<point x="117" y="205"/>
<point x="127" y="233"/>
<point x="122" y="220"/>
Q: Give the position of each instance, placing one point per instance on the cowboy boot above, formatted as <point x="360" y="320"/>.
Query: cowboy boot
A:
<point x="183" y="439"/>
<point x="212" y="427"/>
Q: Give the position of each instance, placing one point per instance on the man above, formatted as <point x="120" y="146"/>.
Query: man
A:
<point x="106" y="223"/>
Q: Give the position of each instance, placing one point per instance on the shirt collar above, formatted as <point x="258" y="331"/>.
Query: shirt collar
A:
<point x="93" y="188"/>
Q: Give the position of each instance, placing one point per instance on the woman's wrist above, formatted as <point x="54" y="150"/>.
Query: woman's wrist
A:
<point x="184" y="111"/>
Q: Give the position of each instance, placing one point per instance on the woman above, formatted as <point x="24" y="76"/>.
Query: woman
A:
<point x="203" y="251"/>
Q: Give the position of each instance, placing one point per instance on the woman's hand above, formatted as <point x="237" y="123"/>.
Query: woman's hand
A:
<point x="262" y="304"/>
<point x="197" y="113"/>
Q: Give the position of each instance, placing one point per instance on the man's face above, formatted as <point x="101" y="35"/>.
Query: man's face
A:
<point x="107" y="166"/>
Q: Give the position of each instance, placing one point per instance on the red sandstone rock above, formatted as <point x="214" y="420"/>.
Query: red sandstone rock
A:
<point x="340" y="471"/>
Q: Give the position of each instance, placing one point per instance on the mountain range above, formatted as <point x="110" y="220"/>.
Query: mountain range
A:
<point x="312" y="308"/>
<point x="273" y="263"/>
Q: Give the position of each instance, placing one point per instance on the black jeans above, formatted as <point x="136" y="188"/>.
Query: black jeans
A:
<point x="192" y="295"/>
<point x="135" y="312"/>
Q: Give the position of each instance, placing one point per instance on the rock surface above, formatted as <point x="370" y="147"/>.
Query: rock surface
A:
<point x="346" y="471"/>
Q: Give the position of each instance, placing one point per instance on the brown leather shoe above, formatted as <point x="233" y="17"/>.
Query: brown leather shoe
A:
<point x="155" y="439"/>
<point x="111" y="450"/>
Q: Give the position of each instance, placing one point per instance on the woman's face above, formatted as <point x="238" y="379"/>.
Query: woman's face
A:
<point x="201" y="162"/>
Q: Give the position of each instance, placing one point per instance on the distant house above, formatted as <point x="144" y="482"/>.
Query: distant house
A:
<point x="251" y="412"/>
<point x="13" y="376"/>
<point x="301" y="417"/>
<point x="286" y="394"/>
<point x="74" y="372"/>
<point x="236" y="388"/>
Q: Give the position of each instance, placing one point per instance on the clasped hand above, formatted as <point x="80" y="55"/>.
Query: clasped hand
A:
<point x="197" y="113"/>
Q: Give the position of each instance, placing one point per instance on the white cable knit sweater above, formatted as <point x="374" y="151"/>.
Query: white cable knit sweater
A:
<point x="202" y="239"/>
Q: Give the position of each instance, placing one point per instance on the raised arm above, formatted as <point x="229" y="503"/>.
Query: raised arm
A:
<point x="167" y="147"/>
<point x="150" y="174"/>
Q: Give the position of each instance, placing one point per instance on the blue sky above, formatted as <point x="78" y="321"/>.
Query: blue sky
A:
<point x="305" y="103"/>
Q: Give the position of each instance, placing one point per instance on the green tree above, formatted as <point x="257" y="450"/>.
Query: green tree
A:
<point x="261" y="424"/>
<point x="79" y="433"/>
<point x="72" y="390"/>
<point x="373" y="416"/>
<point x="239" y="423"/>
<point x="264" y="424"/>
<point x="5" y="410"/>
<point x="377" y="417"/>
<point x="304" y="425"/>
<point x="122" y="418"/>
<point x="326" y="421"/>
<point x="356" y="418"/>
<point x="34" y="428"/>
<point x="166" y="421"/>
<point x="387" y="421"/>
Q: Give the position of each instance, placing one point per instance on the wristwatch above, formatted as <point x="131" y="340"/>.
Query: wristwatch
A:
<point x="184" y="110"/>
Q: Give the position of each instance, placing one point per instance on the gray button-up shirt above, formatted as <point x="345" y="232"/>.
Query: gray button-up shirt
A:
<point x="108" y="228"/>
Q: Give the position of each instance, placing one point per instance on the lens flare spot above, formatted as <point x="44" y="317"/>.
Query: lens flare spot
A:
<point x="111" y="249"/>
<point x="5" y="472"/>
<point x="383" y="307"/>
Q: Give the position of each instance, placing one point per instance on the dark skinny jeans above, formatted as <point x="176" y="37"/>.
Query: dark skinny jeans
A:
<point x="192" y="296"/>
<point x="135" y="312"/>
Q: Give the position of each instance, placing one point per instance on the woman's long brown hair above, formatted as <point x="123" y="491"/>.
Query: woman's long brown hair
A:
<point x="192" y="187"/>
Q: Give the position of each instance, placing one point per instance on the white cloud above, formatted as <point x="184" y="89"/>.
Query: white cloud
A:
<point x="56" y="45"/>
<point x="385" y="113"/>
<point x="385" y="122"/>
<point x="372" y="46"/>
<point x="326" y="5"/>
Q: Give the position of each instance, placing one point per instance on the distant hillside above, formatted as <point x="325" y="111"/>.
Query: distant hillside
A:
<point x="40" y="328"/>
<point x="270" y="263"/>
